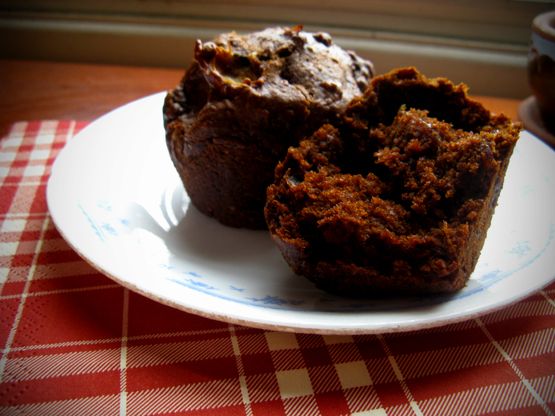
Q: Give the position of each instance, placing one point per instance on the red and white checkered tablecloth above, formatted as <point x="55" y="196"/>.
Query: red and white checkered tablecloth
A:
<point x="76" y="343"/>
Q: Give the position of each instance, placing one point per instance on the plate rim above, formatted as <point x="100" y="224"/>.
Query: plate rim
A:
<point x="449" y="318"/>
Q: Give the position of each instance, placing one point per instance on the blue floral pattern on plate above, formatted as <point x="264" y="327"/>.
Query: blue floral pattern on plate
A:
<point x="116" y="198"/>
<point x="519" y="253"/>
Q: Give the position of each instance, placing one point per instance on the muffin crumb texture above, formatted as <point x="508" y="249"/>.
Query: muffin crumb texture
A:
<point x="399" y="195"/>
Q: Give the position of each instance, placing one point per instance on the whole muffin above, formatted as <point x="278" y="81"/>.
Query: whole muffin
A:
<point x="243" y="101"/>
<point x="397" y="198"/>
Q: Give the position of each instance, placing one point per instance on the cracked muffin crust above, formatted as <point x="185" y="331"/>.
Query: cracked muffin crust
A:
<point x="399" y="196"/>
<point x="243" y="101"/>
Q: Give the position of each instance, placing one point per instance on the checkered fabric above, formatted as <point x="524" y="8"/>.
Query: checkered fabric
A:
<point x="76" y="343"/>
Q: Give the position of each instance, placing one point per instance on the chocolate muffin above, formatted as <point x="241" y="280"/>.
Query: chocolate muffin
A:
<point x="399" y="196"/>
<point x="243" y="101"/>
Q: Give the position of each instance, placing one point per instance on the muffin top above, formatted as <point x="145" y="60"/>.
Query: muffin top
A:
<point x="284" y="64"/>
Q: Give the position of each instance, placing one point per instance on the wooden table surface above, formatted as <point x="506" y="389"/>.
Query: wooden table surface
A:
<point x="36" y="90"/>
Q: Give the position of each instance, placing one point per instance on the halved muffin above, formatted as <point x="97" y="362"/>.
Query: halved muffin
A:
<point x="399" y="196"/>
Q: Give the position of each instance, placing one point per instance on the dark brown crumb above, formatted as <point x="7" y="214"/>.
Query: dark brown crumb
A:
<point x="399" y="196"/>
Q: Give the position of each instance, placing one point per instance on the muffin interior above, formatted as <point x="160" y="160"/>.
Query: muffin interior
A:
<point x="399" y="188"/>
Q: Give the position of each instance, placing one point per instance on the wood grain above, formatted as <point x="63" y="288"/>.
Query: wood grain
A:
<point x="34" y="90"/>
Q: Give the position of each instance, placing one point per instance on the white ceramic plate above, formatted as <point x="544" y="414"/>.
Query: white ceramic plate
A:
<point x="116" y="198"/>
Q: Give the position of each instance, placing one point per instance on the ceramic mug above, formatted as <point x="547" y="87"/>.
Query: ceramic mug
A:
<point x="541" y="66"/>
